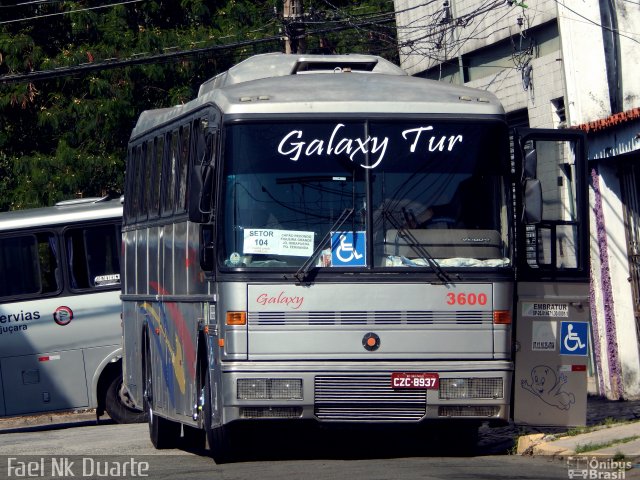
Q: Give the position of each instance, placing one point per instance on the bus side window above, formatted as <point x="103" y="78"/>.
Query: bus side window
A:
<point x="133" y="195"/>
<point x="29" y="265"/>
<point x="50" y="272"/>
<point x="169" y="174"/>
<point x="155" y="174"/>
<point x="93" y="255"/>
<point x="185" y="137"/>
<point x="149" y="165"/>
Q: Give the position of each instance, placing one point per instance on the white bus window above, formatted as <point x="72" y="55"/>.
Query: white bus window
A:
<point x="29" y="265"/>
<point x="93" y="255"/>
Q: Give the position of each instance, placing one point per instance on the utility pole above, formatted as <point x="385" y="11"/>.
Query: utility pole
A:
<point x="293" y="26"/>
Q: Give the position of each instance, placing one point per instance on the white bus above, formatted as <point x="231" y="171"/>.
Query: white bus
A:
<point x="326" y="238"/>
<point x="60" y="312"/>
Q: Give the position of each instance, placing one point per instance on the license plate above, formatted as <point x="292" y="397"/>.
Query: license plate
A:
<point x="419" y="380"/>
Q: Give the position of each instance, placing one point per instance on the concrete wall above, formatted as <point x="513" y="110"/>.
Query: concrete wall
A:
<point x="421" y="26"/>
<point x="547" y="84"/>
<point x="483" y="30"/>
<point x="629" y="26"/>
<point x="616" y="353"/>
<point x="612" y="298"/>
<point x="584" y="62"/>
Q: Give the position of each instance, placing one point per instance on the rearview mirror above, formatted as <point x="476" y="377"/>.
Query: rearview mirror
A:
<point x="202" y="178"/>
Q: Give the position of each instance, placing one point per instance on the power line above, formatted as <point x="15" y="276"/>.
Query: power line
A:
<point x="612" y="30"/>
<point x="159" y="58"/>
<point x="439" y="27"/>
<point x="109" y="64"/>
<point x="34" y="2"/>
<point x="432" y="25"/>
<point x="38" y="17"/>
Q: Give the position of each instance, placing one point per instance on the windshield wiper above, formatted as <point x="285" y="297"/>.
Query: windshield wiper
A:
<point x="416" y="246"/>
<point x="303" y="271"/>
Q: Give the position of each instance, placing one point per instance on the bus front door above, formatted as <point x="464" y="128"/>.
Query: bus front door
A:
<point x="551" y="315"/>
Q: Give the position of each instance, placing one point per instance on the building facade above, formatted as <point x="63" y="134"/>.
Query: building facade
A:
<point x="560" y="64"/>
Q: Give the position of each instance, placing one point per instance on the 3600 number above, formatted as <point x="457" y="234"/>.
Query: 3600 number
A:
<point x="466" y="299"/>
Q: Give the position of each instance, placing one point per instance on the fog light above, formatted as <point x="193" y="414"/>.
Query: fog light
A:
<point x="286" y="388"/>
<point x="252" y="389"/>
<point x="269" y="389"/>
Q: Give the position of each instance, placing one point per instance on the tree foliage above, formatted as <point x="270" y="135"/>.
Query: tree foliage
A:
<point x="66" y="136"/>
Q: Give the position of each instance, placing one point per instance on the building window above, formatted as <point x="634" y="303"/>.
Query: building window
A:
<point x="558" y="113"/>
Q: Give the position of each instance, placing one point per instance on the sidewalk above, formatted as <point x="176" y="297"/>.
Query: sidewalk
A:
<point x="56" y="419"/>
<point x="613" y="431"/>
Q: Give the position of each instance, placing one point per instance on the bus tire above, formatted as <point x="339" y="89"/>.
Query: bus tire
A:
<point x="193" y="438"/>
<point x="218" y="437"/>
<point x="163" y="432"/>
<point x="119" y="405"/>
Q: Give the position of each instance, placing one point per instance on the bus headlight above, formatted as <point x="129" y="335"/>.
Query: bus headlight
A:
<point x="269" y="389"/>
<point x="463" y="388"/>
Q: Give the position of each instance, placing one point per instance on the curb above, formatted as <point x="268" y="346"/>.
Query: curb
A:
<point x="13" y="423"/>
<point x="608" y="440"/>
<point x="541" y="444"/>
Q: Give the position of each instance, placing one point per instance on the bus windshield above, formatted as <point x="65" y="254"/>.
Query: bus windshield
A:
<point x="374" y="194"/>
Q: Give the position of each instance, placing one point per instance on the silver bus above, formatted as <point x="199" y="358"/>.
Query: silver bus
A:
<point x="60" y="312"/>
<point x="325" y="238"/>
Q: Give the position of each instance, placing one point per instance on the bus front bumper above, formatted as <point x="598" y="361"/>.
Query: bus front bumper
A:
<point x="400" y="392"/>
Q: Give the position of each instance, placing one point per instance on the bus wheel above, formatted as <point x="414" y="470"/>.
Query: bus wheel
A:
<point x="119" y="405"/>
<point x="193" y="438"/>
<point x="163" y="433"/>
<point x="218" y="437"/>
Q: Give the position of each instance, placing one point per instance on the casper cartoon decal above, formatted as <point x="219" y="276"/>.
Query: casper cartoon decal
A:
<point x="547" y="385"/>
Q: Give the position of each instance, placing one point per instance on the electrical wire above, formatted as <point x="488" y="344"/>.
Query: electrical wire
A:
<point x="438" y="44"/>
<point x="46" y="15"/>
<point x="34" y="2"/>
<point x="599" y="25"/>
<point x="152" y="59"/>
<point x="434" y="33"/>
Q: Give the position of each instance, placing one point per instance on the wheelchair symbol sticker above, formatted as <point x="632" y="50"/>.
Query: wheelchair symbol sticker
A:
<point x="574" y="338"/>
<point x="348" y="249"/>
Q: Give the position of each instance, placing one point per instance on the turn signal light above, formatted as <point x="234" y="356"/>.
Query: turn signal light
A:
<point x="236" y="318"/>
<point x="501" y="317"/>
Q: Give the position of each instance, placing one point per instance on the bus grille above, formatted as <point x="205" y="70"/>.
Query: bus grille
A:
<point x="390" y="317"/>
<point x="366" y="398"/>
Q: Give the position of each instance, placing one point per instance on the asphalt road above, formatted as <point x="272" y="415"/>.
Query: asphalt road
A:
<point x="86" y="450"/>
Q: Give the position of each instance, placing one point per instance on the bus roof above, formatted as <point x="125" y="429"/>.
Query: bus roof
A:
<point x="314" y="84"/>
<point x="271" y="65"/>
<point x="63" y="213"/>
